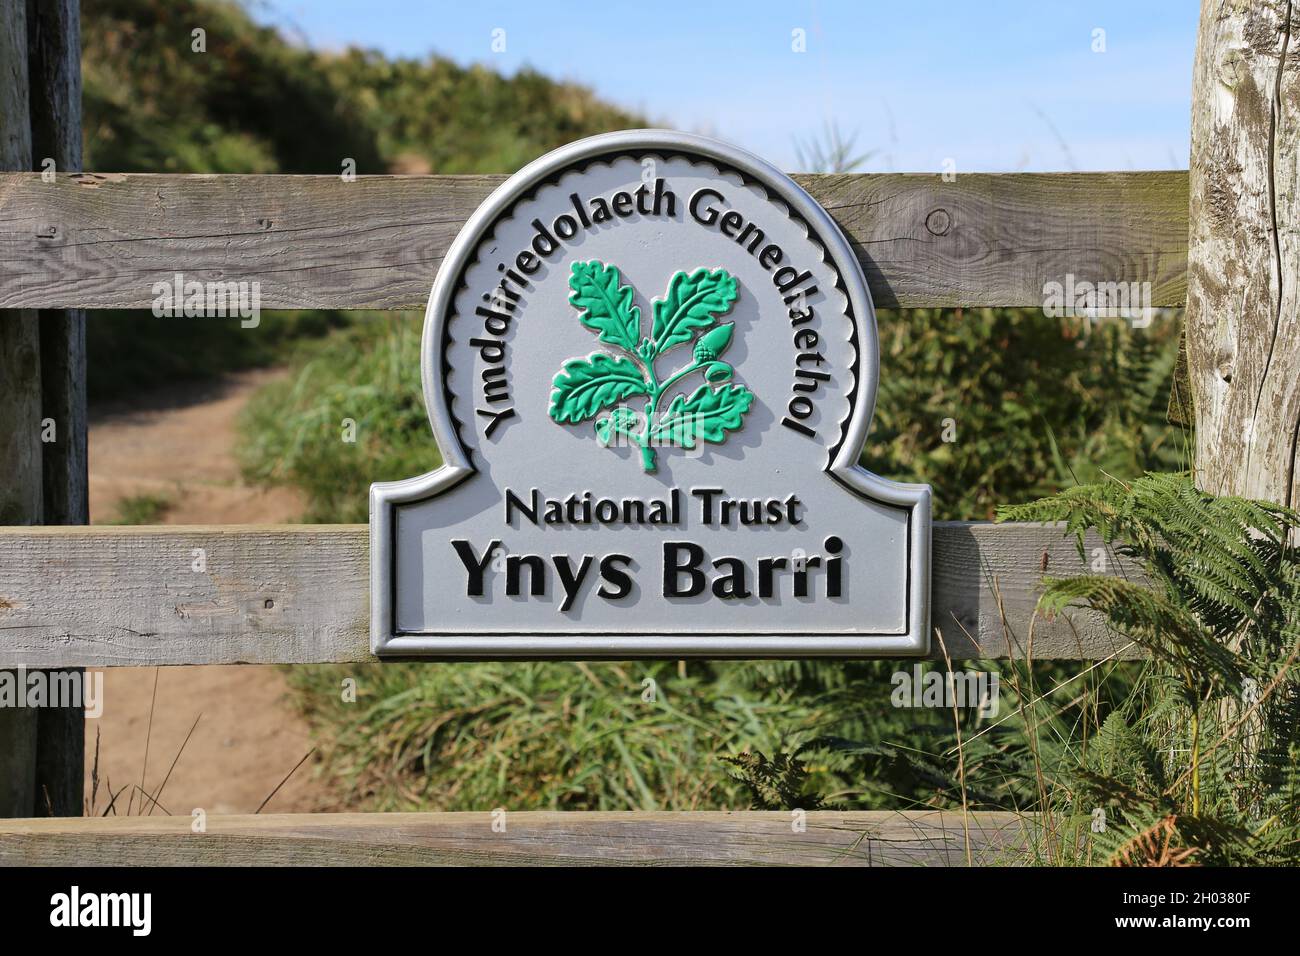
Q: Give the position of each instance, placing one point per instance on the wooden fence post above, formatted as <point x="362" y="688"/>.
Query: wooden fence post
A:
<point x="42" y="378"/>
<point x="20" y="402"/>
<point x="1243" y="311"/>
<point x="54" y="87"/>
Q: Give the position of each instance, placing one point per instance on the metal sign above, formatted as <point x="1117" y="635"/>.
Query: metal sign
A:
<point x="650" y="364"/>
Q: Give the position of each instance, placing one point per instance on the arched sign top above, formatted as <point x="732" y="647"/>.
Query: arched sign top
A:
<point x="650" y="362"/>
<point x="642" y="146"/>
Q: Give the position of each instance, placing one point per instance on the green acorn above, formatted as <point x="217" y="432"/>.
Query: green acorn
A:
<point x="715" y="373"/>
<point x="714" y="344"/>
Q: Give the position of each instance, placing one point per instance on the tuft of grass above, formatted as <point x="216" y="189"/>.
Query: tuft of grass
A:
<point x="538" y="736"/>
<point x="352" y="413"/>
<point x="618" y="736"/>
<point x="142" y="509"/>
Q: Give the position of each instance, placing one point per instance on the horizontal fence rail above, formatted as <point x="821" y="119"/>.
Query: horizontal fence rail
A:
<point x="98" y="240"/>
<point x="696" y="838"/>
<point x="296" y="594"/>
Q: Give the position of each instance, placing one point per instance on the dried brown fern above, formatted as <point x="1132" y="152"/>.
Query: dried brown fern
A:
<point x="1154" y="847"/>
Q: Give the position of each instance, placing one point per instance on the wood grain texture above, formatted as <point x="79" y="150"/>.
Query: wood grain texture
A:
<point x="20" y="503"/>
<point x="1243" y="315"/>
<point x="54" y="75"/>
<point x="54" y="70"/>
<point x="15" y="126"/>
<point x="54" y="60"/>
<point x="291" y="594"/>
<point x="985" y="580"/>
<point x="109" y="596"/>
<point x="21" y="473"/>
<point x="20" y="401"/>
<point x="64" y="464"/>
<point x="103" y="240"/>
<point x="700" y="838"/>
<point x="20" y="379"/>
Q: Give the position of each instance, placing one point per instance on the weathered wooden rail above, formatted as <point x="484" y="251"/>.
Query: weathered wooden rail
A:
<point x="97" y="240"/>
<point x="298" y="594"/>
<point x="698" y="838"/>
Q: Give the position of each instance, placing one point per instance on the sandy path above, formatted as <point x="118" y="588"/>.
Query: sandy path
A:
<point x="178" y="443"/>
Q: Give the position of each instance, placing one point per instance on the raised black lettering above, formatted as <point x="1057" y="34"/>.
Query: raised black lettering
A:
<point x="474" y="567"/>
<point x="674" y="569"/>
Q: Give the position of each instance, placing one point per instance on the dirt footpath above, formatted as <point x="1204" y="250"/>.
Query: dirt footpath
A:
<point x="177" y="444"/>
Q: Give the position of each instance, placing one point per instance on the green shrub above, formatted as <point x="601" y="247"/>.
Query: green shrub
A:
<point x="1036" y="404"/>
<point x="256" y="103"/>
<point x="1201" y="763"/>
<point x="142" y="509"/>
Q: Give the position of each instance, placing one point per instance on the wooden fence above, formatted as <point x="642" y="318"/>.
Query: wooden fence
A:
<point x="75" y="597"/>
<point x="114" y="596"/>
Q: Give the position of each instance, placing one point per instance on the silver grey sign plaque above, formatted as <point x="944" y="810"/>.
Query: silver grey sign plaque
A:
<point x="650" y="364"/>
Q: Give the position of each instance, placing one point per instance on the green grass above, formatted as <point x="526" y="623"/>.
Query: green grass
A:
<point x="142" y="509"/>
<point x="579" y="736"/>
<point x="526" y="736"/>
<point x="351" y="413"/>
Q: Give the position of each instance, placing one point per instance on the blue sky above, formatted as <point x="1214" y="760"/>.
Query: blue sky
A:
<point x="995" y="86"/>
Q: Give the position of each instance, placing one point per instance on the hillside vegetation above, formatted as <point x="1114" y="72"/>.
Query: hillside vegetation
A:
<point x="253" y="102"/>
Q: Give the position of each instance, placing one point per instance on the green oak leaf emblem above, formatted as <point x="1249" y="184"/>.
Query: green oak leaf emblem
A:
<point x="688" y="313"/>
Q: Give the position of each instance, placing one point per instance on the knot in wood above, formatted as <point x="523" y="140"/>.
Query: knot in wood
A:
<point x="938" y="222"/>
